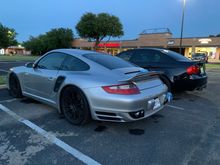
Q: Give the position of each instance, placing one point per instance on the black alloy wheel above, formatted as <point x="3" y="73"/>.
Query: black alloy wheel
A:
<point x="74" y="106"/>
<point x="14" y="86"/>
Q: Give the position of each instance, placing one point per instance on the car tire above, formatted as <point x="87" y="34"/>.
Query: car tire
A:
<point x="74" y="106"/>
<point x="167" y="82"/>
<point x="14" y="86"/>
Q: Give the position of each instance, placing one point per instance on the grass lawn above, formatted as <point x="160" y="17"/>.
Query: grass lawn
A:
<point x="212" y="66"/>
<point x="2" y="80"/>
<point x="18" y="58"/>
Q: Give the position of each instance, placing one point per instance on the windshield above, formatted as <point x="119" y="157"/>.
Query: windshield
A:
<point x="108" y="61"/>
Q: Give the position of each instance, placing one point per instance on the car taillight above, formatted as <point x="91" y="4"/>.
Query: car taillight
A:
<point x="122" y="89"/>
<point x="193" y="70"/>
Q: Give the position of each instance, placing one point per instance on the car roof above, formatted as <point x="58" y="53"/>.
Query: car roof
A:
<point x="74" y="52"/>
<point x="150" y="49"/>
<point x="158" y="49"/>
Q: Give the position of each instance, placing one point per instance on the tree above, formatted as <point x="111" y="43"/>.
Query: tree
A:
<point x="97" y="27"/>
<point x="54" y="39"/>
<point x="7" y="37"/>
<point x="59" y="38"/>
<point x="36" y="45"/>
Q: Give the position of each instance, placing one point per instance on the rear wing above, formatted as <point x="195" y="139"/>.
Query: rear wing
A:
<point x="143" y="76"/>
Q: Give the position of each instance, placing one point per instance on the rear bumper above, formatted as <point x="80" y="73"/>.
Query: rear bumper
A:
<point x="192" y="83"/>
<point x="120" y="108"/>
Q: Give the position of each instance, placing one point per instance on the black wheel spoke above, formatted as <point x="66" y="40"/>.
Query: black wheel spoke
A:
<point x="73" y="105"/>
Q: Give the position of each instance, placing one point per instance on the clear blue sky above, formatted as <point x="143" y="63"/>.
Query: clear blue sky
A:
<point x="34" y="17"/>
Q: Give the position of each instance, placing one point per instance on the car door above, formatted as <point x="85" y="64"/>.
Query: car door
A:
<point x="40" y="80"/>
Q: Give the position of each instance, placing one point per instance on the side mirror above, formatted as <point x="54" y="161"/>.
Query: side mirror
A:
<point x="30" y="65"/>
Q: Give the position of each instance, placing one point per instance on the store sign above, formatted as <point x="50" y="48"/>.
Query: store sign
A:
<point x="205" y="40"/>
<point x="171" y="42"/>
<point x="109" y="45"/>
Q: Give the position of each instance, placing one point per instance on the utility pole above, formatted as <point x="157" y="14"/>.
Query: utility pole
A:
<point x="182" y="26"/>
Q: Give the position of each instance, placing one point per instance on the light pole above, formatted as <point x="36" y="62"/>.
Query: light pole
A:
<point x="182" y="26"/>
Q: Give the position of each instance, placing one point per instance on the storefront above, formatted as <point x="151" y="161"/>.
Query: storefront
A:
<point x="110" y="47"/>
<point x="209" y="46"/>
<point x="164" y="39"/>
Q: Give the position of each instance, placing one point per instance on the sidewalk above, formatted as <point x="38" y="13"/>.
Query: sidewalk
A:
<point x="212" y="61"/>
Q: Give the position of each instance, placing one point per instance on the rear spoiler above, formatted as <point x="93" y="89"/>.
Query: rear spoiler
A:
<point x="143" y="76"/>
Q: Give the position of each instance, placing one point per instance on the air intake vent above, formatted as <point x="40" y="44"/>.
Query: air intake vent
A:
<point x="109" y="118"/>
<point x="105" y="113"/>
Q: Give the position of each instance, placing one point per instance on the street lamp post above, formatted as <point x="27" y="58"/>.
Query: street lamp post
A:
<point x="182" y="26"/>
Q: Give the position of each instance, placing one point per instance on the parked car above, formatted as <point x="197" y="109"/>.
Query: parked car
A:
<point x="200" y="57"/>
<point x="177" y="71"/>
<point x="83" y="84"/>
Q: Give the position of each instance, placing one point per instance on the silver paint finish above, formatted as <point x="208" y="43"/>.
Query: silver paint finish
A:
<point x="39" y="84"/>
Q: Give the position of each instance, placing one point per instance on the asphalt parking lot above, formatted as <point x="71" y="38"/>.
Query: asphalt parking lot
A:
<point x="186" y="132"/>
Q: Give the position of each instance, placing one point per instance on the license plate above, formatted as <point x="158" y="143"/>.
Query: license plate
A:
<point x="156" y="103"/>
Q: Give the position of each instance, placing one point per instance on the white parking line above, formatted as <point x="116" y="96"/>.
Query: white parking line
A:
<point x="74" y="152"/>
<point x="175" y="107"/>
<point x="8" y="101"/>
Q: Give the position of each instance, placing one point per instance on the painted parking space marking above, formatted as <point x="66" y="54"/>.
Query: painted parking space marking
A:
<point x="50" y="137"/>
<point x="8" y="101"/>
<point x="175" y="107"/>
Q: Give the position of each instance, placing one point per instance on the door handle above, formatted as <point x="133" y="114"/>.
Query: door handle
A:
<point x="50" y="79"/>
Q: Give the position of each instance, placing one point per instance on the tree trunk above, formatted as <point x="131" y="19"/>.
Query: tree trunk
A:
<point x="96" y="44"/>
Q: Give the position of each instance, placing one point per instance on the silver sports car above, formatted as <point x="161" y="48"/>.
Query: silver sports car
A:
<point x="86" y="84"/>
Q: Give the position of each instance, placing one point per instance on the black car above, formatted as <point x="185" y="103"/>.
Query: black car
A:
<point x="200" y="57"/>
<point x="177" y="71"/>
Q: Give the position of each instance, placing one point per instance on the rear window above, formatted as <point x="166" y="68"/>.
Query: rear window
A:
<point x="108" y="61"/>
<point x="198" y="55"/>
<point x="174" y="55"/>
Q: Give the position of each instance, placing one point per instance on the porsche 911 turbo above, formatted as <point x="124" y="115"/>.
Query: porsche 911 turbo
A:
<point x="86" y="84"/>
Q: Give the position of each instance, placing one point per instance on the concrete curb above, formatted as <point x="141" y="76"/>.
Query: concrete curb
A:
<point x="3" y="86"/>
<point x="13" y="61"/>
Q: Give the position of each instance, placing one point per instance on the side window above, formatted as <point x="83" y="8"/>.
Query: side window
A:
<point x="141" y="58"/>
<point x="149" y="56"/>
<point x="74" y="64"/>
<point x="125" y="55"/>
<point x="160" y="57"/>
<point x="51" y="61"/>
